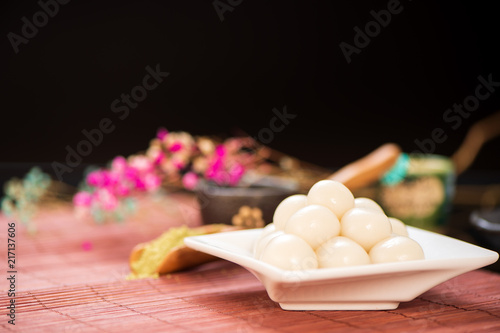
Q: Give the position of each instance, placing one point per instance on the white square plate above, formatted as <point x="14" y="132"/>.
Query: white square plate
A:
<point x="366" y="287"/>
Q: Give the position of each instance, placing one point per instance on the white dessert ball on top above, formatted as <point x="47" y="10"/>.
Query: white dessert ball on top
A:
<point x="365" y="226"/>
<point x="333" y="195"/>
<point x="314" y="223"/>
<point x="363" y="202"/>
<point x="287" y="208"/>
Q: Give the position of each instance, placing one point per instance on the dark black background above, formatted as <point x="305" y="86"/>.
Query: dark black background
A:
<point x="229" y="75"/>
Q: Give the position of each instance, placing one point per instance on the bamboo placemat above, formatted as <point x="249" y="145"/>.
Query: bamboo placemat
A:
<point x="64" y="287"/>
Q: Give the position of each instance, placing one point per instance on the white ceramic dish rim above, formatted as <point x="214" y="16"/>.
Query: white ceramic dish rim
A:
<point x="220" y="246"/>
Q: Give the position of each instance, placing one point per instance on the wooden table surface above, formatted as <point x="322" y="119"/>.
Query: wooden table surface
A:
<point x="70" y="277"/>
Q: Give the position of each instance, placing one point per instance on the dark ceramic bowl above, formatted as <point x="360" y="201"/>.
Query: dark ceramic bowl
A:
<point x="487" y="226"/>
<point x="486" y="231"/>
<point x="220" y="204"/>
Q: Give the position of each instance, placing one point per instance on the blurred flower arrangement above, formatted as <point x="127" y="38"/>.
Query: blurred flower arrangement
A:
<point x="22" y="197"/>
<point x="175" y="159"/>
<point x="172" y="161"/>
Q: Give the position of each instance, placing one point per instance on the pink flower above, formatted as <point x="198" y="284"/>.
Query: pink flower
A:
<point x="220" y="151"/>
<point x="119" y="164"/>
<point x="95" y="178"/>
<point x="215" y="169"/>
<point x="107" y="199"/>
<point x="131" y="174"/>
<point x="162" y="133"/>
<point x="223" y="167"/>
<point x="175" y="147"/>
<point x="216" y="164"/>
<point x="220" y="178"/>
<point x="82" y="199"/>
<point x="111" y="178"/>
<point x="102" y="178"/>
<point x="121" y="190"/>
<point x="86" y="245"/>
<point x="141" y="163"/>
<point x="178" y="163"/>
<point x="235" y="173"/>
<point x="190" y="180"/>
<point x="158" y="157"/>
<point x="212" y="170"/>
<point x="139" y="184"/>
<point x="151" y="182"/>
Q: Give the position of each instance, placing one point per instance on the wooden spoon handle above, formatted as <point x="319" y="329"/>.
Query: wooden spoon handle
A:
<point x="368" y="169"/>
<point x="481" y="132"/>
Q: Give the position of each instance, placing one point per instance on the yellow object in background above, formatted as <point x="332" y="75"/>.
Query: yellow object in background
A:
<point x="167" y="253"/>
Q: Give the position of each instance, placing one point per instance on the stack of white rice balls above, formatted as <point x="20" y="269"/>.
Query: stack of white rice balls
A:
<point x="328" y="227"/>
